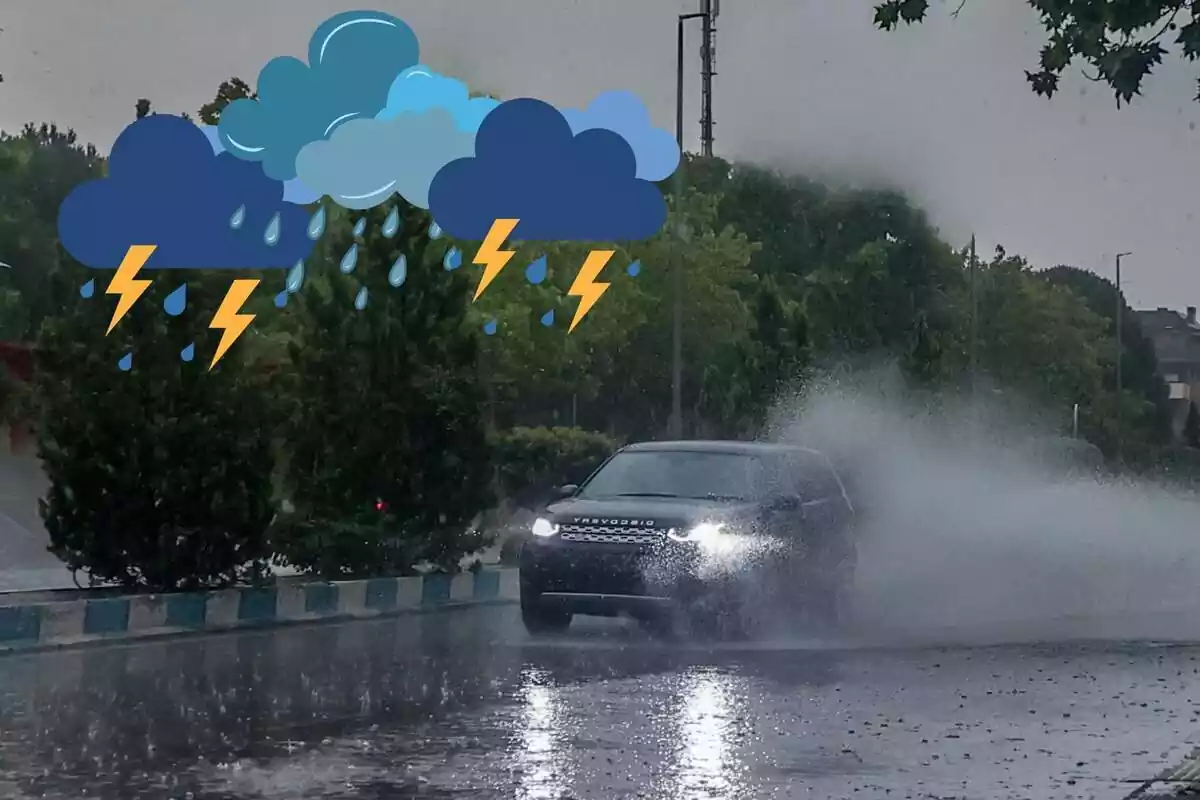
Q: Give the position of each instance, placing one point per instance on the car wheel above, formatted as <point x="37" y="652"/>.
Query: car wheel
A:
<point x="540" y="618"/>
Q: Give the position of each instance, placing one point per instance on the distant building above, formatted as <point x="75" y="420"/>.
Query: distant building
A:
<point x="1176" y="339"/>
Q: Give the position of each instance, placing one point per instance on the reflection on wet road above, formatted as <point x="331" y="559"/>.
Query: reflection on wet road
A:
<point x="463" y="704"/>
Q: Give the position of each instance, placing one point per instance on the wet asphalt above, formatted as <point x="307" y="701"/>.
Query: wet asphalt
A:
<point x="464" y="704"/>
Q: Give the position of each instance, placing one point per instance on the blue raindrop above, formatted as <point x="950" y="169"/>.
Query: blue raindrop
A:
<point x="350" y="260"/>
<point x="126" y="362"/>
<point x="271" y="234"/>
<point x="452" y="259"/>
<point x="398" y="274"/>
<point x="489" y="327"/>
<point x="88" y="289"/>
<point x="536" y="272"/>
<point x="295" y="277"/>
<point x="238" y="218"/>
<point x="360" y="300"/>
<point x="188" y="353"/>
<point x="316" y="224"/>
<point x="548" y="318"/>
<point x="281" y="299"/>
<point x="360" y="227"/>
<point x="391" y="225"/>
<point x="176" y="301"/>
<point x="435" y="231"/>
<point x="634" y="268"/>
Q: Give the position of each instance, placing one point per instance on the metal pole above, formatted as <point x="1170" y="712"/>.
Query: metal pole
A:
<point x="974" y="320"/>
<point x="706" y="55"/>
<point x="1075" y="422"/>
<point x="1120" y="350"/>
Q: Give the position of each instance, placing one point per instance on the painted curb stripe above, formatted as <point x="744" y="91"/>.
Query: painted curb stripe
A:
<point x="106" y="617"/>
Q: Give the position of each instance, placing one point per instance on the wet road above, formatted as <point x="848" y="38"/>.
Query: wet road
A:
<point x="462" y="704"/>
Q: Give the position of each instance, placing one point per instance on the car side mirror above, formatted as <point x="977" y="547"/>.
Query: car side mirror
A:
<point x="567" y="490"/>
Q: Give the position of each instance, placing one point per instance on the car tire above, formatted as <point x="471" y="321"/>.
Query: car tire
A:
<point x="539" y="618"/>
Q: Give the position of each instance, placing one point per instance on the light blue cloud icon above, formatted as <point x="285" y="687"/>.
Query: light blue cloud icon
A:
<point x="624" y="114"/>
<point x="419" y="89"/>
<point x="366" y="161"/>
<point x="352" y="60"/>
<point x="293" y="191"/>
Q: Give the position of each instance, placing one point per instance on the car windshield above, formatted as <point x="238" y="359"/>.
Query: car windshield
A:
<point x="690" y="474"/>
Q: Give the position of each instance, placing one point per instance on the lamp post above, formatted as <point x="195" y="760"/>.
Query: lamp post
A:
<point x="1120" y="349"/>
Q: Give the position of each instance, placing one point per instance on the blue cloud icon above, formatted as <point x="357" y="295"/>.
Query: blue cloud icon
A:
<point x="419" y="89"/>
<point x="293" y="191"/>
<point x="623" y="113"/>
<point x="352" y="60"/>
<point x="529" y="166"/>
<point x="167" y="187"/>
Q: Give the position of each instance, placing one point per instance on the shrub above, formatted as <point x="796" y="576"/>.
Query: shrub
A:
<point x="531" y="462"/>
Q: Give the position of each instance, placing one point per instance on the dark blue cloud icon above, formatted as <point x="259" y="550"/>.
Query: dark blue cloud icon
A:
<point x="166" y="187"/>
<point x="352" y="60"/>
<point x="561" y="186"/>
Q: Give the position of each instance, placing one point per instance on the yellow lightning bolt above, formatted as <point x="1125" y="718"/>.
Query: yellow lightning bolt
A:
<point x="586" y="287"/>
<point x="490" y="256"/>
<point x="228" y="320"/>
<point x="126" y="284"/>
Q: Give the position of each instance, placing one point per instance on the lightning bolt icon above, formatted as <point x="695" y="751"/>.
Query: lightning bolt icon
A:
<point x="490" y="256"/>
<point x="228" y="320"/>
<point x="126" y="285"/>
<point x="586" y="287"/>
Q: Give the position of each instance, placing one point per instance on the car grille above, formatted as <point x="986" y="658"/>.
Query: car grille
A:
<point x="609" y="534"/>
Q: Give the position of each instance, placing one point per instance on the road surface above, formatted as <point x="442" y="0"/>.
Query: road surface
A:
<point x="463" y="704"/>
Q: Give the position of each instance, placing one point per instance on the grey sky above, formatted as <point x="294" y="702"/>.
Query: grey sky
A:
<point x="943" y="110"/>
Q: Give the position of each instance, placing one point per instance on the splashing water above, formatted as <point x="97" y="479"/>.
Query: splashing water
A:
<point x="398" y="274"/>
<point x="489" y="327"/>
<point x="295" y="277"/>
<point x="350" y="260"/>
<point x="238" y="218"/>
<point x="435" y="231"/>
<point x="188" y="353"/>
<point x="176" y="301"/>
<point x="548" y="318"/>
<point x="535" y="273"/>
<point x="360" y="300"/>
<point x="88" y="289"/>
<point x="452" y="259"/>
<point x="360" y="227"/>
<point x="281" y="299"/>
<point x="391" y="225"/>
<point x="316" y="224"/>
<point x="271" y="234"/>
<point x="633" y="269"/>
<point x="126" y="362"/>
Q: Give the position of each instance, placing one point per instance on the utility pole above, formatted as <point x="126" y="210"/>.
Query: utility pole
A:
<point x="973" y="345"/>
<point x="709" y="10"/>
<point x="1120" y="350"/>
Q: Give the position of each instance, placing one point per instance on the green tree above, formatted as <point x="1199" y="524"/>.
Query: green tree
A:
<point x="1121" y="41"/>
<point x="1191" y="426"/>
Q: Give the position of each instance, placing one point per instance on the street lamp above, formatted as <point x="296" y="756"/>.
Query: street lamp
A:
<point x="1120" y="385"/>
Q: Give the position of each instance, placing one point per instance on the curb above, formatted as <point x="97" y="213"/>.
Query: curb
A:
<point x="44" y="625"/>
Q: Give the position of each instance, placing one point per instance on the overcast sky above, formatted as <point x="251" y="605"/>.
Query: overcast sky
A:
<point x="942" y="110"/>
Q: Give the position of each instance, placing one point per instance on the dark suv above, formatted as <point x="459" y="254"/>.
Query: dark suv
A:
<point x="697" y="532"/>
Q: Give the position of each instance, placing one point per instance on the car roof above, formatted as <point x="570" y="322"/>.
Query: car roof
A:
<point x="720" y="446"/>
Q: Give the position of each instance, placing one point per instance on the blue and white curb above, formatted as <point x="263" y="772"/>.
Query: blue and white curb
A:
<point x="57" y="624"/>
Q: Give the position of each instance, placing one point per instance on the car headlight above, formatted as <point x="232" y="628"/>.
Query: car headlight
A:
<point x="543" y="527"/>
<point x="704" y="532"/>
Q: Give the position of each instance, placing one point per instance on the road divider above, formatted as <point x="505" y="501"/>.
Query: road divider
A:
<point x="46" y="624"/>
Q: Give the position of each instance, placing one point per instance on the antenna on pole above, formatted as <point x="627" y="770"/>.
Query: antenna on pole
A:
<point x="708" y="54"/>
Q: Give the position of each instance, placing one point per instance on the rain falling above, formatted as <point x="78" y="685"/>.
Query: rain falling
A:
<point x="273" y="231"/>
<point x="399" y="272"/>
<point x="535" y="273"/>
<point x="350" y="260"/>
<point x="176" y="301"/>
<point x="316" y="224"/>
<point x="238" y="218"/>
<point x="391" y="225"/>
<point x="360" y="300"/>
<point x="452" y="259"/>
<point x="88" y="289"/>
<point x="295" y="277"/>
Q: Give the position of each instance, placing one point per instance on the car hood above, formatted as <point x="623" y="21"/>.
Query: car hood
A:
<point x="650" y="512"/>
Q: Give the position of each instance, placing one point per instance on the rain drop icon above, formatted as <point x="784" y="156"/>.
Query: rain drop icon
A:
<point x="176" y="301"/>
<point x="435" y="231"/>
<point x="452" y="259"/>
<point x="271" y="234"/>
<point x="281" y="299"/>
<point x="295" y="277"/>
<point x="489" y="327"/>
<point x="316" y="224"/>
<point x="238" y="218"/>
<point x="391" y="225"/>
<point x="350" y="260"/>
<point x="548" y="318"/>
<point x="535" y="273"/>
<point x="126" y="362"/>
<point x="398" y="274"/>
<point x="360" y="227"/>
<point x="360" y="300"/>
<point x="634" y="268"/>
<point x="188" y="353"/>
<point x="88" y="289"/>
